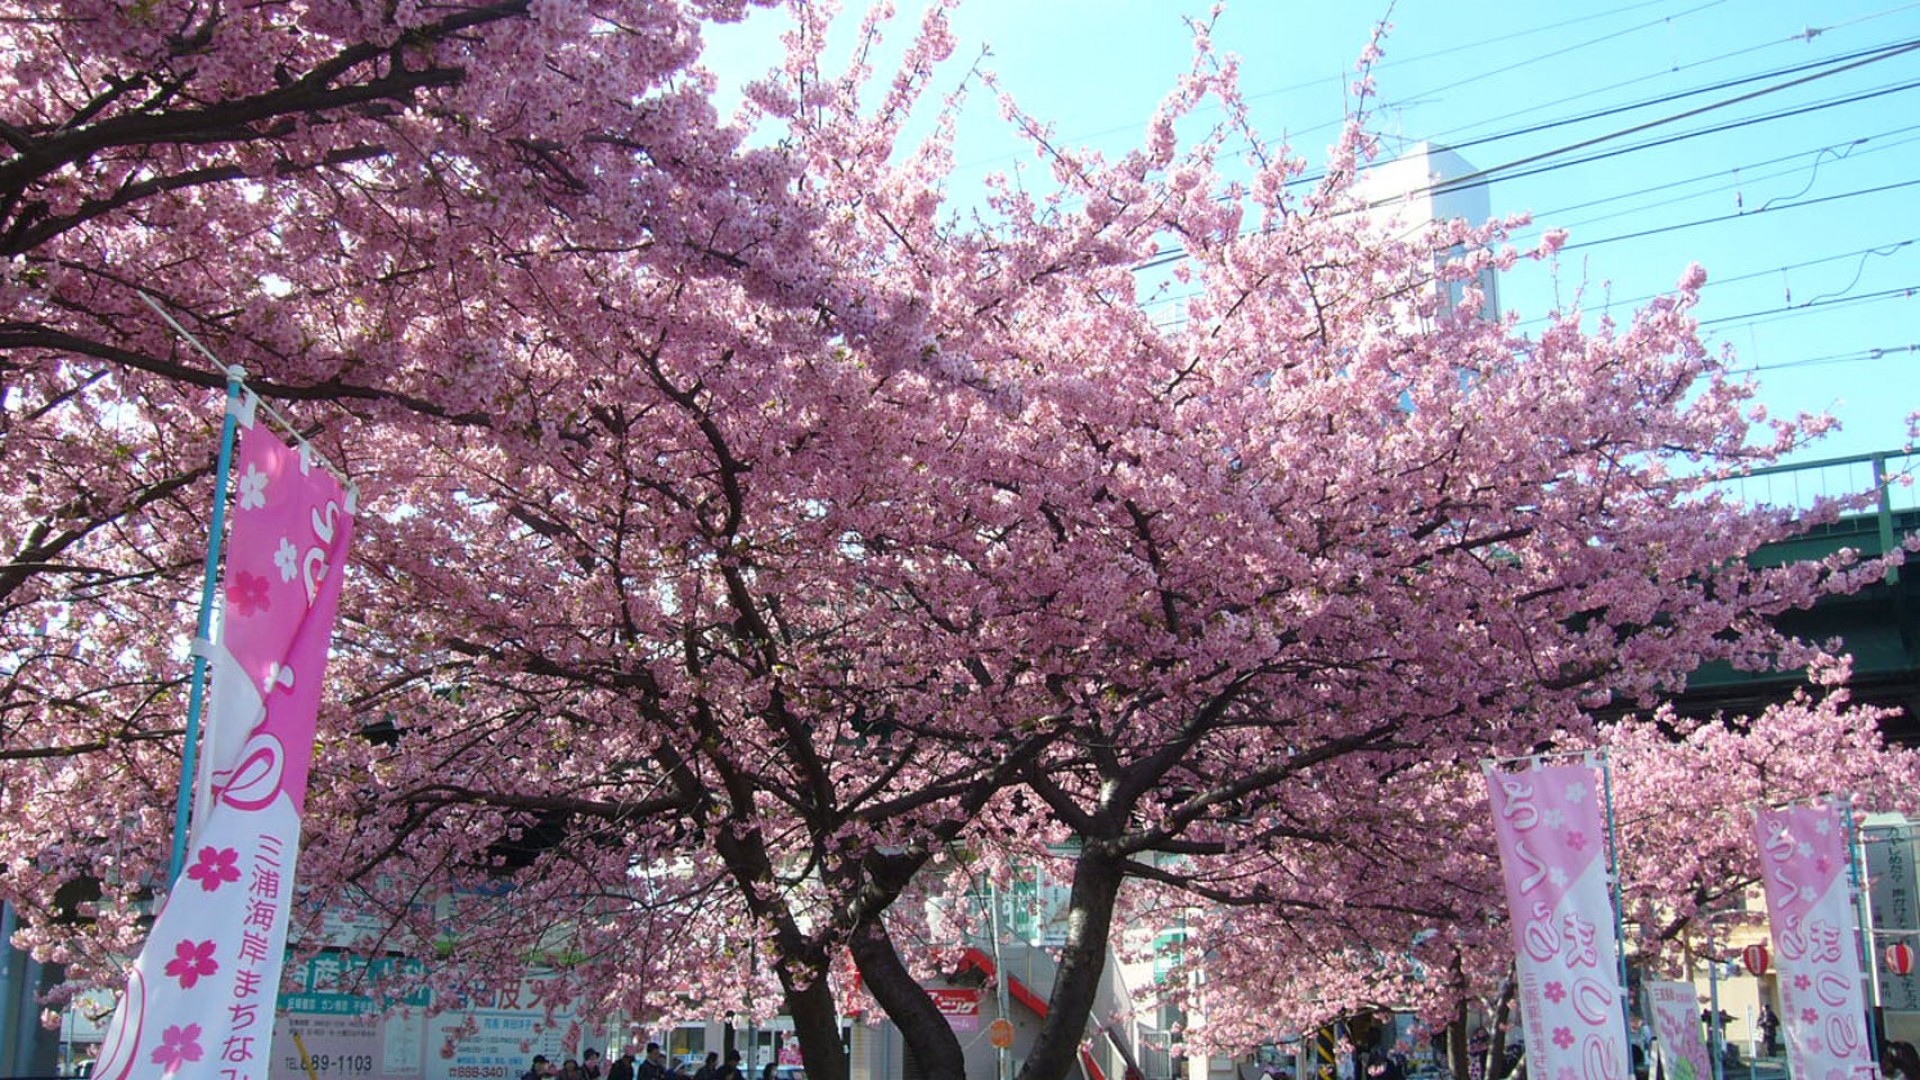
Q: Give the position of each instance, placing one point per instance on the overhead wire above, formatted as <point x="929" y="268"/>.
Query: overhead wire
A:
<point x="1482" y="176"/>
<point x="1743" y="214"/>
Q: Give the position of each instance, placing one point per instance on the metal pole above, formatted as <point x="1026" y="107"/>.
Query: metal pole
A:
<point x="1003" y="1065"/>
<point x="197" y="696"/>
<point x="1885" y="514"/>
<point x="1863" y="913"/>
<point x="10" y="973"/>
<point x="1719" y="1043"/>
<point x="1619" y="904"/>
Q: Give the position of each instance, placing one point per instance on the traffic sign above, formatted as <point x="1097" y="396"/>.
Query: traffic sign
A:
<point x="1000" y="1033"/>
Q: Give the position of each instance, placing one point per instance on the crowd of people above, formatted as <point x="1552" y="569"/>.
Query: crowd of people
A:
<point x="652" y="1065"/>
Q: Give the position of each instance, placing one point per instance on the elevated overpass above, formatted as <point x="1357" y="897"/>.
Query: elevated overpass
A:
<point x="1879" y="625"/>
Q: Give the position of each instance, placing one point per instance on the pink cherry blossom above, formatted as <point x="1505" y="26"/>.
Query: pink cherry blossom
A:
<point x="779" y="499"/>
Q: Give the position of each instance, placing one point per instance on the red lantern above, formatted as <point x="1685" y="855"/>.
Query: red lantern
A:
<point x="1756" y="958"/>
<point x="1900" y="958"/>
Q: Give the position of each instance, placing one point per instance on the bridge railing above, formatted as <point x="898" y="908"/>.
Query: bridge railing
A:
<point x="1888" y="474"/>
<point x="1891" y="472"/>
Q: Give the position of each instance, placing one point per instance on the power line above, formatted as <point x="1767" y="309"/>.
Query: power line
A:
<point x="1879" y="352"/>
<point x="1482" y="176"/>
<point x="1473" y="179"/>
<point x="1804" y="36"/>
<point x="1877" y="52"/>
<point x="1901" y="292"/>
<point x="1716" y="283"/>
<point x="1741" y="214"/>
<point x="1842" y="151"/>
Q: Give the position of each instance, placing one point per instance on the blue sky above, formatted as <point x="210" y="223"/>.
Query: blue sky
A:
<point x="1809" y="270"/>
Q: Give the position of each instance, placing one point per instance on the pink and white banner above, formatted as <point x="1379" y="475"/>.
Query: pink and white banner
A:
<point x="1675" y="1008"/>
<point x="1803" y="861"/>
<point x="1552" y="846"/>
<point x="200" y="999"/>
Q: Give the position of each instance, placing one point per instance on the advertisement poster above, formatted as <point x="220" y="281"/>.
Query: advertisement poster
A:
<point x="1675" y="1008"/>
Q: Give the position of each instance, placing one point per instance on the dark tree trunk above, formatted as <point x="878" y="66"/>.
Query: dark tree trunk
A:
<point x="906" y="1003"/>
<point x="1096" y="886"/>
<point x="816" y="1023"/>
<point x="1496" y="1064"/>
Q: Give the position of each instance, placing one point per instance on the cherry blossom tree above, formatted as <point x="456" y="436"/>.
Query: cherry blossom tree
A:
<point x="757" y="526"/>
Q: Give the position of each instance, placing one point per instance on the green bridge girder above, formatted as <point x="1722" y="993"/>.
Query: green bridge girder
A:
<point x="1878" y="625"/>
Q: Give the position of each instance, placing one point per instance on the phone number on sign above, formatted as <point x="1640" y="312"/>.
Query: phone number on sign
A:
<point x="334" y="1064"/>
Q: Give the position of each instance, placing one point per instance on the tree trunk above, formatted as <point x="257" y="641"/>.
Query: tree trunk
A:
<point x="1096" y="886"/>
<point x="816" y="1023"/>
<point x="1496" y="1064"/>
<point x="906" y="1003"/>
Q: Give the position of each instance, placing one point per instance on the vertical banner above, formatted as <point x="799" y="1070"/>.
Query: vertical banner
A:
<point x="1894" y="906"/>
<point x="1552" y="839"/>
<point x="1675" y="1008"/>
<point x="200" y="999"/>
<point x="1803" y="861"/>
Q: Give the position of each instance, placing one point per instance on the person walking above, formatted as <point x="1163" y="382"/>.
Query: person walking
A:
<point x="1769" y="1031"/>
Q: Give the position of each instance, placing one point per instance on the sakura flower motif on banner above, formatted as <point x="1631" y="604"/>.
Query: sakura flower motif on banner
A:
<point x="179" y="1045"/>
<point x="253" y="489"/>
<point x="216" y="867"/>
<point x="192" y="959"/>
<point x="248" y="595"/>
<point x="287" y="558"/>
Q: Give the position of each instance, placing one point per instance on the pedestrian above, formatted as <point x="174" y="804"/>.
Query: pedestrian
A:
<point x="622" y="1067"/>
<point x="1769" y="1031"/>
<point x="591" y="1066"/>
<point x="1902" y="1061"/>
<point x="731" y="1070"/>
<point x="712" y="1066"/>
<point x="654" y="1065"/>
<point x="537" y="1070"/>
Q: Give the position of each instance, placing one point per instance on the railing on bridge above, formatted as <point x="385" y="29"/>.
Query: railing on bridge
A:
<point x="1891" y="472"/>
<point x="1888" y="474"/>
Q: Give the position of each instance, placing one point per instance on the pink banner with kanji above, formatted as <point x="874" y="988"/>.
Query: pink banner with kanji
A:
<point x="1552" y="838"/>
<point x="200" y="999"/>
<point x="1675" y="1008"/>
<point x="1803" y="862"/>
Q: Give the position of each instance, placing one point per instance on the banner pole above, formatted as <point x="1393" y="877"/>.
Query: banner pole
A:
<point x="1863" y="914"/>
<point x="1619" y="898"/>
<point x="196" y="698"/>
